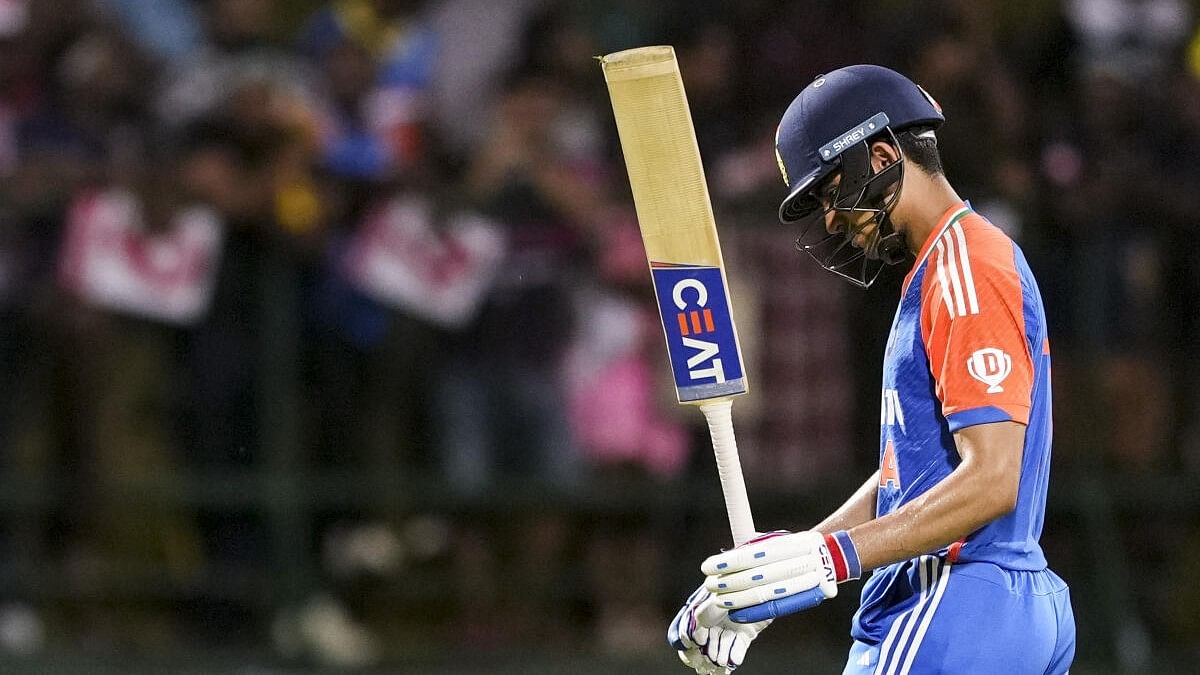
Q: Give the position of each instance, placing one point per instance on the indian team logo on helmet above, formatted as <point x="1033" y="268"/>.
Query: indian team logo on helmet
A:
<point x="990" y="366"/>
<point x="932" y="101"/>
<point x="779" y="158"/>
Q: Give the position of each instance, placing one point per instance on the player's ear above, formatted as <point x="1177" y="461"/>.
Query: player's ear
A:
<point x="883" y="155"/>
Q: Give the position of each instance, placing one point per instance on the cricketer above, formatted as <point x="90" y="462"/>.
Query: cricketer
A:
<point x="948" y="526"/>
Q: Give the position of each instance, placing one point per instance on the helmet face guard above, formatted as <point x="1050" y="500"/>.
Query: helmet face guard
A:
<point x="861" y="191"/>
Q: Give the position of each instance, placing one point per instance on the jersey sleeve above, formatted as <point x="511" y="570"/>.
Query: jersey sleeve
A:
<point x="973" y="327"/>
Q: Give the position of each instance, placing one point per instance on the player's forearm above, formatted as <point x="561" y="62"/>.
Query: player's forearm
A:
<point x="965" y="501"/>
<point x="858" y="509"/>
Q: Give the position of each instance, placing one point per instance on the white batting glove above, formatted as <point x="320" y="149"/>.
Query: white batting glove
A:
<point x="780" y="573"/>
<point x="706" y="640"/>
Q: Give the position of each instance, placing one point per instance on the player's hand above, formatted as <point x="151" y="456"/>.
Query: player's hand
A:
<point x="706" y="640"/>
<point x="780" y="573"/>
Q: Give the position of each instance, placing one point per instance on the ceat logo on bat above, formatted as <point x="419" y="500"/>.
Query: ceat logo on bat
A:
<point x="701" y="341"/>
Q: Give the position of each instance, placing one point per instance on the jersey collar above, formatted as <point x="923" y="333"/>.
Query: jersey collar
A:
<point x="951" y="216"/>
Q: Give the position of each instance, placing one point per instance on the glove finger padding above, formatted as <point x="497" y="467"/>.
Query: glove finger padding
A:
<point x="729" y="642"/>
<point x="720" y="644"/>
<point x="760" y="594"/>
<point x="766" y="575"/>
<point x="762" y="551"/>
<point x="738" y="652"/>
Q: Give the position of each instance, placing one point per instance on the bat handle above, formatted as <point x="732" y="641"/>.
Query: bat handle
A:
<point x="719" y="415"/>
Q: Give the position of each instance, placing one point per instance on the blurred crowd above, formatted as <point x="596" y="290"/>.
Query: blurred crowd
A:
<point x="392" y="240"/>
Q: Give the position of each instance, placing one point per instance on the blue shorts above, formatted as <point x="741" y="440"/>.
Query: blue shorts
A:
<point x="968" y="617"/>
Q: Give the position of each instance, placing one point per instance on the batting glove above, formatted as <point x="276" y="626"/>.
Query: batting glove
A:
<point x="706" y="640"/>
<point x="780" y="573"/>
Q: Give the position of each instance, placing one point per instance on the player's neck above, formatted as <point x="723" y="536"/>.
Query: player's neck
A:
<point x="929" y="200"/>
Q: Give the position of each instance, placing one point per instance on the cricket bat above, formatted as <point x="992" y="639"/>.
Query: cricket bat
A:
<point x="680" y="235"/>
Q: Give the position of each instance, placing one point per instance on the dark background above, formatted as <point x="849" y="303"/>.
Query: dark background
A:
<point x="311" y="471"/>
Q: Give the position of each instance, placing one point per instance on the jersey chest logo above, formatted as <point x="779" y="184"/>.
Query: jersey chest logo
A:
<point x="889" y="470"/>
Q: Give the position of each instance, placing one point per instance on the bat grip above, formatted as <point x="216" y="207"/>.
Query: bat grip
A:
<point x="737" y="504"/>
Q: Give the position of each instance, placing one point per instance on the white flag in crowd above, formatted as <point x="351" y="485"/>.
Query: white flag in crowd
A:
<point x="439" y="272"/>
<point x="111" y="260"/>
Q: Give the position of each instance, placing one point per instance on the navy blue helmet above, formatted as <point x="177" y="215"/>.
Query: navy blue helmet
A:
<point x="829" y="127"/>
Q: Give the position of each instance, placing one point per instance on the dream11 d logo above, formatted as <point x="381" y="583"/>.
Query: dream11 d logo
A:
<point x="990" y="366"/>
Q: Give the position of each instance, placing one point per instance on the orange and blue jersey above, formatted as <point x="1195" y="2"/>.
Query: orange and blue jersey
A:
<point x="968" y="346"/>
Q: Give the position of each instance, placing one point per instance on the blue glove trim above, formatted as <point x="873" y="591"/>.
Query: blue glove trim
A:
<point x="673" y="635"/>
<point x="771" y="609"/>
<point x="685" y="614"/>
<point x="853" y="566"/>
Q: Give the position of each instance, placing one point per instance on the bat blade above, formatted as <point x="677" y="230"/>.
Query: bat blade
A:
<point x="666" y="176"/>
<point x="676" y="219"/>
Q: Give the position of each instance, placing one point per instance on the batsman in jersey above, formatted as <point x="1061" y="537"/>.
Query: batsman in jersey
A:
<point x="949" y="524"/>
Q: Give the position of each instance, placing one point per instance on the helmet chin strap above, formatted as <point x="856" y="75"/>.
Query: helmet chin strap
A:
<point x="892" y="249"/>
